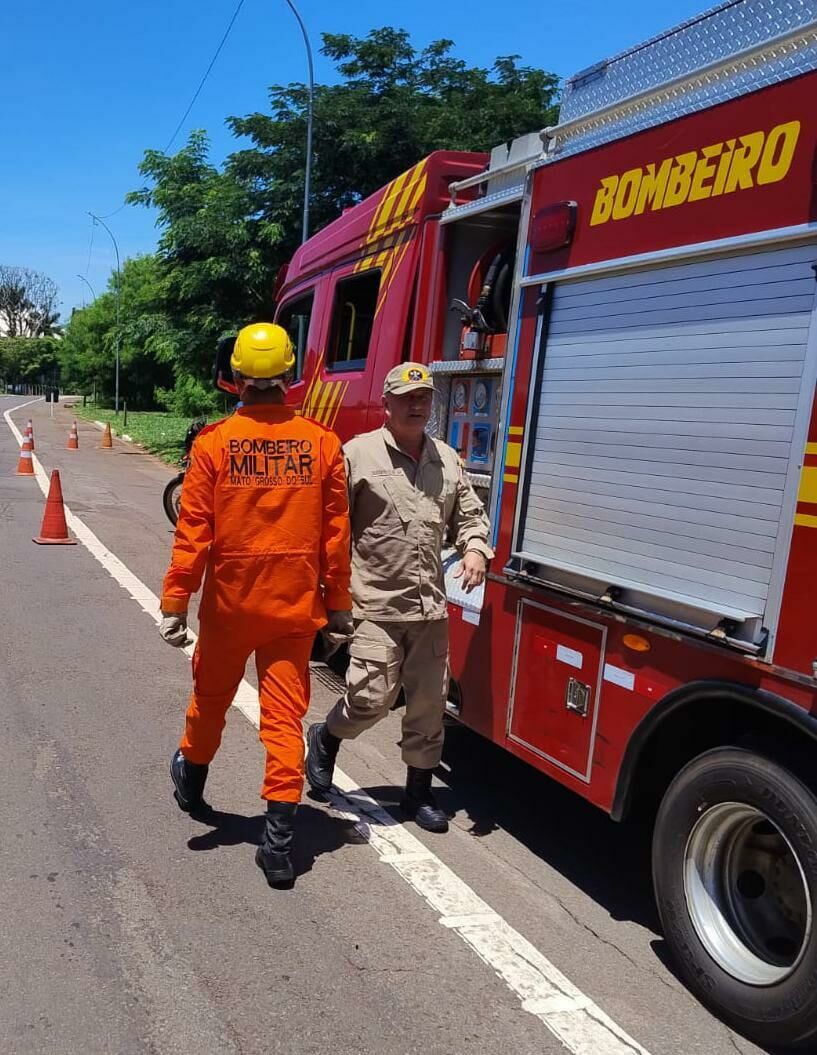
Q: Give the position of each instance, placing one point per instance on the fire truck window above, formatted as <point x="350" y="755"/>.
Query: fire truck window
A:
<point x="352" y="321"/>
<point x="294" y="317"/>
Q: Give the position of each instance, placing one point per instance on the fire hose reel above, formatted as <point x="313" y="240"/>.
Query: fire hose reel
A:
<point x="485" y="319"/>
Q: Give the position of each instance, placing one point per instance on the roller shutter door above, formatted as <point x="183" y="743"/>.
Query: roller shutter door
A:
<point x="663" y="435"/>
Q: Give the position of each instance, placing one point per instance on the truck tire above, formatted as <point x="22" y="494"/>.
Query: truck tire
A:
<point x="735" y="877"/>
<point x="172" y="497"/>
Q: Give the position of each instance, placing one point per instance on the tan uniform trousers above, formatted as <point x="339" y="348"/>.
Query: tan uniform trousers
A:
<point x="385" y="656"/>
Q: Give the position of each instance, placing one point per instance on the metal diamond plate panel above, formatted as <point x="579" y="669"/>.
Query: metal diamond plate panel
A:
<point x="488" y="201"/>
<point x="712" y="37"/>
<point x="438" y="422"/>
<point x="466" y="366"/>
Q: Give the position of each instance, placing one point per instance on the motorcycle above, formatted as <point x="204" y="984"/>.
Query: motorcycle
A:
<point x="172" y="496"/>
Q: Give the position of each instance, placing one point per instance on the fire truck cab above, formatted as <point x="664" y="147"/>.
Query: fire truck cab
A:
<point x="619" y="313"/>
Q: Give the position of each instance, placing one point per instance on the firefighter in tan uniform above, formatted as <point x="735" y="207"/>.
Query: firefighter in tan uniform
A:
<point x="406" y="492"/>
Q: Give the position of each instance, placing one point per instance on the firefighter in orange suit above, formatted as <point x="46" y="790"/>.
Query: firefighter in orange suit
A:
<point x="264" y="519"/>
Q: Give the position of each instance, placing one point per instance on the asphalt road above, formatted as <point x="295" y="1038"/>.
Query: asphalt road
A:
<point x="128" y="927"/>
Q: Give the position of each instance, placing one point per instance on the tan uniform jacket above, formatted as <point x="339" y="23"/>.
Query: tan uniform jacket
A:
<point x="400" y="510"/>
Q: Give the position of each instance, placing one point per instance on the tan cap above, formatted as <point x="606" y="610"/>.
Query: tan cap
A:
<point x="406" y="378"/>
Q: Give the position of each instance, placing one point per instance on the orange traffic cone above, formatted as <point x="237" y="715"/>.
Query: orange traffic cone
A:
<point x="29" y="433"/>
<point x="107" y="438"/>
<point x="73" y="439"/>
<point x="25" y="466"/>
<point x="54" y="530"/>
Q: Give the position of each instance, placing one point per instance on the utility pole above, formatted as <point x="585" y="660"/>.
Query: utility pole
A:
<point x="96" y="219"/>
<point x="309" y="113"/>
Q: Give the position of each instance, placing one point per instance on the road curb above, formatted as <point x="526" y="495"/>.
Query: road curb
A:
<point x="121" y="435"/>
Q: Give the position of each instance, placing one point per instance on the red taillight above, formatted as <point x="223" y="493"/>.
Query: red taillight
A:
<point x="552" y="227"/>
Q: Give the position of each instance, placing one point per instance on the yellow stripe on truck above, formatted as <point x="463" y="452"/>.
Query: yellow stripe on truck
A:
<point x="338" y="405"/>
<point x="390" y="199"/>
<point x="513" y="455"/>
<point x="808" y="484"/>
<point x="314" y="396"/>
<point x="331" y="394"/>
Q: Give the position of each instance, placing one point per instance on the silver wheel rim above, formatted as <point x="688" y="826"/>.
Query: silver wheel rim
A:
<point x="747" y="894"/>
<point x="177" y="499"/>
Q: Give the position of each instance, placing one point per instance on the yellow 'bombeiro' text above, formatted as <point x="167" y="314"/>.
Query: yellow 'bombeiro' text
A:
<point x="753" y="160"/>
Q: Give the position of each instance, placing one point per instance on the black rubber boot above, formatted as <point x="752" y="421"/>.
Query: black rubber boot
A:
<point x="322" y="750"/>
<point x="419" y="803"/>
<point x="189" y="779"/>
<point x="273" y="855"/>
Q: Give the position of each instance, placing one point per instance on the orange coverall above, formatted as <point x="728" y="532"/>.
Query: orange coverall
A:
<point x="264" y="514"/>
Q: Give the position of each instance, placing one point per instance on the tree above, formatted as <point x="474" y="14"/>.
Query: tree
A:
<point x="28" y="302"/>
<point x="394" y="106"/>
<point x="215" y="256"/>
<point x="225" y="231"/>
<point x="28" y="360"/>
<point x="88" y="351"/>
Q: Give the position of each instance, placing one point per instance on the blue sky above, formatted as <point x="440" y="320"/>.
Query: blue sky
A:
<point x="87" y="87"/>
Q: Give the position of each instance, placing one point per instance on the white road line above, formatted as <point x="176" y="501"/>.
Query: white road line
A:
<point x="543" y="991"/>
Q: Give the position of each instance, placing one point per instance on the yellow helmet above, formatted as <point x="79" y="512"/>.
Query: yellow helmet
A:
<point x="262" y="350"/>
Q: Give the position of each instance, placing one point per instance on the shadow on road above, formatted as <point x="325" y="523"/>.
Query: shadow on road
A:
<point x="610" y="862"/>
<point x="661" y="951"/>
<point x="494" y="790"/>
<point x="317" y="833"/>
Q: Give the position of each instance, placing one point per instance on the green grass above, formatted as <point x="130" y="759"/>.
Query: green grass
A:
<point x="162" y="434"/>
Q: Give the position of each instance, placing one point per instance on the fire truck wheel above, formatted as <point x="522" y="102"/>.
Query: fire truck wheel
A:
<point x="735" y="876"/>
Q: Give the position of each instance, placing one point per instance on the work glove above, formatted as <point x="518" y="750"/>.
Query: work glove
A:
<point x="174" y="629"/>
<point x="339" y="629"/>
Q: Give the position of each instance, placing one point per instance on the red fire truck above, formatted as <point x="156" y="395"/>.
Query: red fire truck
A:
<point x="619" y="312"/>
